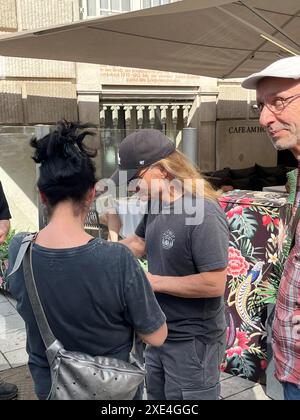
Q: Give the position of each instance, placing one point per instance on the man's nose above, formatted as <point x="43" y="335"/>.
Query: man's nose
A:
<point x="267" y="117"/>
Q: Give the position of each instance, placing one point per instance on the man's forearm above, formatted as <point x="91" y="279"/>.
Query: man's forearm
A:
<point x="136" y="245"/>
<point x="4" y="229"/>
<point x="204" y="285"/>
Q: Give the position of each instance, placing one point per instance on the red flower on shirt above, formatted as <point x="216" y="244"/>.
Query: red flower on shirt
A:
<point x="240" y="344"/>
<point x="237" y="265"/>
<point x="234" y="211"/>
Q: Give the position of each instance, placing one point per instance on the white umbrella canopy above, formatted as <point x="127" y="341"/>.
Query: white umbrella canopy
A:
<point x="215" y="38"/>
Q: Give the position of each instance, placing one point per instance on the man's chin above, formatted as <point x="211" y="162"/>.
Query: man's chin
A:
<point x="281" y="144"/>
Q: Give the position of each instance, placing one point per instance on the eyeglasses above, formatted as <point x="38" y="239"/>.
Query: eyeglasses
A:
<point x="275" y="104"/>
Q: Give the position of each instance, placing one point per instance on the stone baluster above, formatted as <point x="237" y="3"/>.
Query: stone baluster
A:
<point x="152" y="109"/>
<point x="186" y="111"/>
<point x="175" y="109"/>
<point x="128" y="119"/>
<point x="140" y="115"/>
<point x="115" y="115"/>
<point x="102" y="116"/>
<point x="163" y="116"/>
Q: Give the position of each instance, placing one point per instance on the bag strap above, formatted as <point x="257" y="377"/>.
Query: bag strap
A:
<point x="294" y="227"/>
<point x="44" y="328"/>
<point x="23" y="248"/>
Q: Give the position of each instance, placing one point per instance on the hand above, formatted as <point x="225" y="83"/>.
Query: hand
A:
<point x="4" y="229"/>
<point x="296" y="324"/>
<point x="2" y="237"/>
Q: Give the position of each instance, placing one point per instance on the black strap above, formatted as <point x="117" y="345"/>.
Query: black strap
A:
<point x="44" y="328"/>
<point x="294" y="227"/>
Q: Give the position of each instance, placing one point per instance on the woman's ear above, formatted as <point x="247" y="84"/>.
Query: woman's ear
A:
<point x="91" y="195"/>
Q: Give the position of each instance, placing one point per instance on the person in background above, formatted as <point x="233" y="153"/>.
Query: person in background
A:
<point x="121" y="216"/>
<point x="94" y="293"/>
<point x="4" y="216"/>
<point x="187" y="262"/>
<point x="7" y="391"/>
<point x="278" y="104"/>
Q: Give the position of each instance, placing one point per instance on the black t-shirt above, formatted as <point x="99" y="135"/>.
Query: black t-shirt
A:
<point x="4" y="210"/>
<point x="93" y="296"/>
<point x="180" y="245"/>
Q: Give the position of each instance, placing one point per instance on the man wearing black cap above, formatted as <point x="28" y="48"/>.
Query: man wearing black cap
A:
<point x="7" y="391"/>
<point x="185" y="238"/>
<point x="139" y="150"/>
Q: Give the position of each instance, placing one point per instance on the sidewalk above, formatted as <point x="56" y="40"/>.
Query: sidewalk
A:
<point x="13" y="360"/>
<point x="12" y="336"/>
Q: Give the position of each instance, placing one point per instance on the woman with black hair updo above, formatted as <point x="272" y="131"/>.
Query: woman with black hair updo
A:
<point x="93" y="292"/>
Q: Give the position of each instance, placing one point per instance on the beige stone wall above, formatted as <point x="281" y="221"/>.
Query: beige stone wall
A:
<point x="240" y="141"/>
<point x="8" y="15"/>
<point x="130" y="76"/>
<point x="88" y="77"/>
<point x="35" y="14"/>
<point x="32" y="68"/>
<point x="232" y="102"/>
<point x="11" y="107"/>
<point x="34" y="102"/>
<point x="36" y="91"/>
<point x="241" y="144"/>
<point x="49" y="102"/>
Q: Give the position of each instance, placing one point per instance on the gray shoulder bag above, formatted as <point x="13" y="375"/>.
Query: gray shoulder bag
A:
<point x="74" y="375"/>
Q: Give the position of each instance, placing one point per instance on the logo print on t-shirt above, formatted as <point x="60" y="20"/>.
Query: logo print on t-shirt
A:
<point x="168" y="239"/>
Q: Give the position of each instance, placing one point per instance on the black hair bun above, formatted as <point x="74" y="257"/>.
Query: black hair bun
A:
<point x="64" y="142"/>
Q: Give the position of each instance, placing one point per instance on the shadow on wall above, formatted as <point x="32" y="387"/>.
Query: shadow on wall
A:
<point x="35" y="109"/>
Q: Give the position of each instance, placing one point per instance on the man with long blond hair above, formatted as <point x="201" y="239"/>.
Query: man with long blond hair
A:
<point x="185" y="238"/>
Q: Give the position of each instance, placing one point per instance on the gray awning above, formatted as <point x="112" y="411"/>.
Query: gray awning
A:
<point x="215" y="38"/>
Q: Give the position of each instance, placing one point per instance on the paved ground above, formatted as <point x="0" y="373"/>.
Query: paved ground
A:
<point x="13" y="360"/>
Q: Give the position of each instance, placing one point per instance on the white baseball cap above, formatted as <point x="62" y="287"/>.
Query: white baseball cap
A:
<point x="287" y="68"/>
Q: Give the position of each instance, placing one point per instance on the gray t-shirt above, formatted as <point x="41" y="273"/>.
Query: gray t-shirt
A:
<point x="175" y="248"/>
<point x="93" y="296"/>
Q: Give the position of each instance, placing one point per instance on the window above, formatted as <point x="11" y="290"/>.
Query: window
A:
<point x="93" y="8"/>
<point x="106" y="7"/>
<point x="154" y="3"/>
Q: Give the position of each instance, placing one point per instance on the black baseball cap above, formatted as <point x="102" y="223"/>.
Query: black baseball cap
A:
<point x="141" y="149"/>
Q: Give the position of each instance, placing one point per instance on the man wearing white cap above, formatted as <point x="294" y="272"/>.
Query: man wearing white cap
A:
<point x="278" y="104"/>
